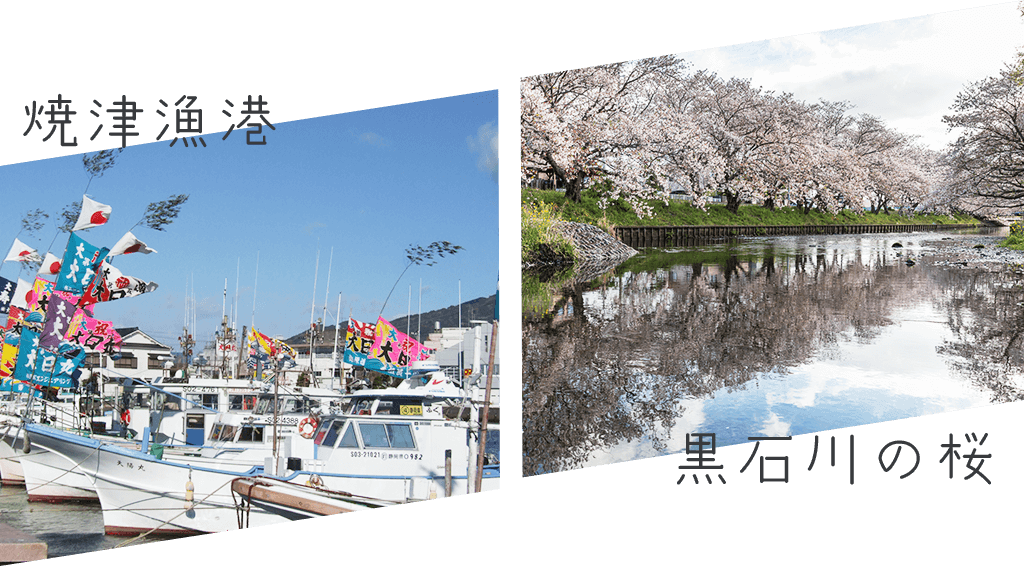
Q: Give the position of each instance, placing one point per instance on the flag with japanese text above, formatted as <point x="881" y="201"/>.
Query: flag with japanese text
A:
<point x="93" y="214"/>
<point x="392" y="346"/>
<point x="15" y="317"/>
<point x="6" y="294"/>
<point x="43" y="367"/>
<point x="129" y="244"/>
<point x="50" y="265"/>
<point x="9" y="357"/>
<point x="22" y="252"/>
<point x="58" y="318"/>
<point x="79" y="265"/>
<point x="358" y="342"/>
<point x="39" y="297"/>
<point x="91" y="334"/>
<point x="110" y="284"/>
<point x="11" y="385"/>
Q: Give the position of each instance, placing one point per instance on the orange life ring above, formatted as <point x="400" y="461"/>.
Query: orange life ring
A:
<point x="307" y="427"/>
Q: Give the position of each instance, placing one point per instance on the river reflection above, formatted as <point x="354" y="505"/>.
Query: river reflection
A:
<point x="775" y="337"/>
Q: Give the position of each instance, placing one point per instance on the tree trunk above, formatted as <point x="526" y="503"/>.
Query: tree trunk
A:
<point x="574" y="189"/>
<point x="732" y="202"/>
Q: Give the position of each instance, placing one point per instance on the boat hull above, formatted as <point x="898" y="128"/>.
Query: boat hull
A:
<point x="139" y="493"/>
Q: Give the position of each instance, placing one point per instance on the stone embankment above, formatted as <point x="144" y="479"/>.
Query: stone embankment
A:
<point x="594" y="245"/>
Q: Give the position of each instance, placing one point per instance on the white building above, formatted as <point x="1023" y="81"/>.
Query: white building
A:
<point x="142" y="357"/>
<point x="461" y="351"/>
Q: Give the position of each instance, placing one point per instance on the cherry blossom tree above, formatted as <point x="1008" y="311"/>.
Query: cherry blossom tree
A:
<point x="640" y="129"/>
<point x="608" y="124"/>
<point x="987" y="160"/>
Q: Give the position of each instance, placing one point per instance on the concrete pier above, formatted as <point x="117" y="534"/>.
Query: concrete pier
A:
<point x="18" y="546"/>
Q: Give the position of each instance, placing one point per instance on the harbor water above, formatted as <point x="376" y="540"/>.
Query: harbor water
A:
<point x="66" y="528"/>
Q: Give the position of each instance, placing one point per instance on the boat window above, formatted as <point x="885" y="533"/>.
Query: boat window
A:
<point x="251" y="434"/>
<point x="362" y="407"/>
<point x="390" y="435"/>
<point x="332" y="434"/>
<point x="492" y="450"/>
<point x="228" y="432"/>
<point x="208" y="400"/>
<point x="265" y="406"/>
<point x="410" y="406"/>
<point x="242" y="402"/>
<point x="195" y="421"/>
<point x="321" y="432"/>
<point x="349" y="439"/>
<point x="222" y="432"/>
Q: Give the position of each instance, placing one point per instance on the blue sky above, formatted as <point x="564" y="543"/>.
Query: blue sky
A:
<point x="366" y="183"/>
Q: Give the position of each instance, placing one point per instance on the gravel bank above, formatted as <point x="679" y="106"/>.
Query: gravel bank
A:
<point x="974" y="251"/>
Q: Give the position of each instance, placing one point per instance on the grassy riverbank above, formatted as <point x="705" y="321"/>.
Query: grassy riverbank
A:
<point x="1015" y="241"/>
<point x="541" y="209"/>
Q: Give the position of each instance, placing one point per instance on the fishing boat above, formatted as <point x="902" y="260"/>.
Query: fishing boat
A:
<point x="410" y="443"/>
<point x="52" y="477"/>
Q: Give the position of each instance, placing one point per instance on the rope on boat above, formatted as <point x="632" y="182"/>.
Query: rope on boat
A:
<point x="66" y="472"/>
<point x="154" y="529"/>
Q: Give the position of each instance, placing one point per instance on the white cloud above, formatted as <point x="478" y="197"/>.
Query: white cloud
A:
<point x="907" y="71"/>
<point x="486" y="144"/>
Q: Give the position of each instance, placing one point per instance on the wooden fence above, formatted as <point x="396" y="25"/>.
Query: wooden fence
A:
<point x="667" y="236"/>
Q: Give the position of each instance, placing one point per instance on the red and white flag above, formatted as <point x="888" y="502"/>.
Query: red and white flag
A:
<point x="110" y="284"/>
<point x="21" y="292"/>
<point x="21" y="252"/>
<point x="129" y="244"/>
<point x="50" y="266"/>
<point x="93" y="214"/>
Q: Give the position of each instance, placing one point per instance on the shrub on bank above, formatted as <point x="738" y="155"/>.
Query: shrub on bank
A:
<point x="541" y="243"/>
<point x="1015" y="241"/>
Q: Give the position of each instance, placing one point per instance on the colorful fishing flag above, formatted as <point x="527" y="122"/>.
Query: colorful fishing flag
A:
<point x="15" y="317"/>
<point x="287" y="351"/>
<point x="393" y="347"/>
<point x="79" y="265"/>
<point x="91" y="334"/>
<point x="264" y="342"/>
<point x="129" y="244"/>
<point x="93" y="214"/>
<point x="42" y="367"/>
<point x="110" y="284"/>
<point x="38" y="298"/>
<point x="380" y="348"/>
<point x="358" y="342"/>
<point x="21" y="252"/>
<point x="9" y="358"/>
<point x="6" y="294"/>
<point x="58" y="318"/>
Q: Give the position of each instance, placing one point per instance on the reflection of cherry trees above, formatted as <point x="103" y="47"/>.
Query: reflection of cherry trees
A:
<point x="987" y="318"/>
<point x="614" y="363"/>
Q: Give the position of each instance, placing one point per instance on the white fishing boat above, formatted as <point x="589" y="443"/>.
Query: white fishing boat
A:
<point x="401" y="444"/>
<point x="53" y="478"/>
<point x="140" y="493"/>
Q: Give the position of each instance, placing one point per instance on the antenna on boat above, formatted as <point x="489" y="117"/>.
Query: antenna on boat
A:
<point x="254" y="281"/>
<point x="327" y="292"/>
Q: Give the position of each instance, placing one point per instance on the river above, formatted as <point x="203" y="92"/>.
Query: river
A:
<point x="760" y="337"/>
